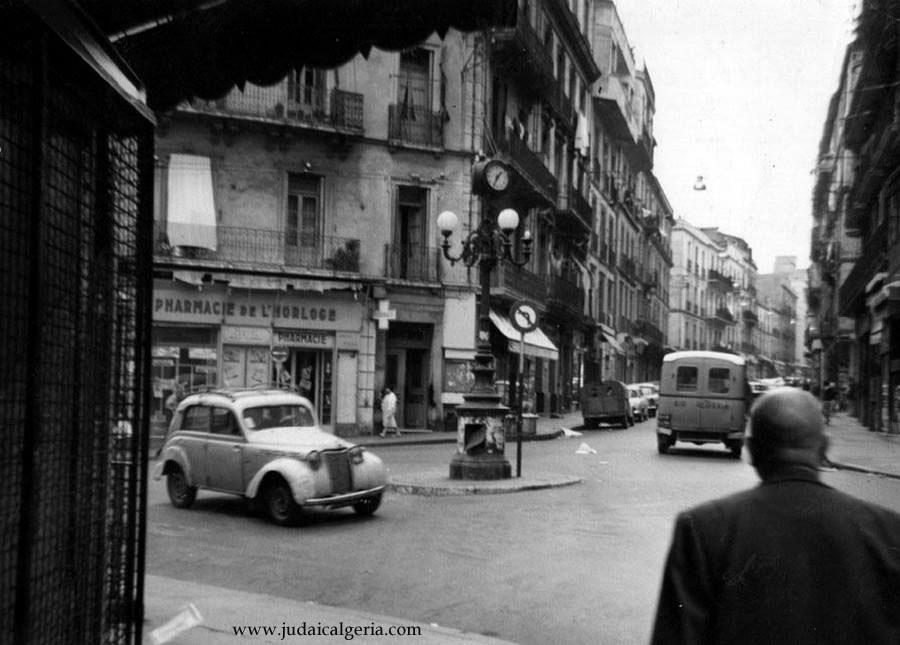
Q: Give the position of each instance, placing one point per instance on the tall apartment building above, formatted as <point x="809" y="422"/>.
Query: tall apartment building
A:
<point x="301" y="217"/>
<point x="854" y="284"/>
<point x="631" y="254"/>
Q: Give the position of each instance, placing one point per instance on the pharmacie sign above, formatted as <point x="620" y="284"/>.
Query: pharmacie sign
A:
<point x="286" y="310"/>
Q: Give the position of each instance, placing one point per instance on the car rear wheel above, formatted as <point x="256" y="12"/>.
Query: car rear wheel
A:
<point x="663" y="443"/>
<point x="180" y="492"/>
<point x="279" y="503"/>
<point x="367" y="506"/>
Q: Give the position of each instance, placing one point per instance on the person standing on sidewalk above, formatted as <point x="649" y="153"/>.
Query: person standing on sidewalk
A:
<point x="789" y="561"/>
<point x="829" y="397"/>
<point x="389" y="412"/>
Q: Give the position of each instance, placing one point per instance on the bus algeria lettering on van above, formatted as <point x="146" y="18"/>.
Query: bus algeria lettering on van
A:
<point x="703" y="398"/>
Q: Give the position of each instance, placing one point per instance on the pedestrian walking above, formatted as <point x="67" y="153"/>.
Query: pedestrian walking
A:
<point x="172" y="403"/>
<point x="789" y="561"/>
<point x="389" y="412"/>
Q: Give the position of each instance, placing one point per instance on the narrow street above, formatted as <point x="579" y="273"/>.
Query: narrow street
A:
<point x="570" y="565"/>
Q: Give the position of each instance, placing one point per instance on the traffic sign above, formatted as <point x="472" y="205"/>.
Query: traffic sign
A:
<point x="279" y="354"/>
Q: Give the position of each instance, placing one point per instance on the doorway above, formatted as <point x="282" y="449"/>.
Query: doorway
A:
<point x="406" y="373"/>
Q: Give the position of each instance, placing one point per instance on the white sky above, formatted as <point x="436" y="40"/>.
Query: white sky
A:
<point x="742" y="90"/>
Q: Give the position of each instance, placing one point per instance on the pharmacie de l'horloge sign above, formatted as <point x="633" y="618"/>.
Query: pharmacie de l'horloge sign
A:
<point x="288" y="310"/>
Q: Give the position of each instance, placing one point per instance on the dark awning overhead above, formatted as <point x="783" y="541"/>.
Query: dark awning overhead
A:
<point x="204" y="49"/>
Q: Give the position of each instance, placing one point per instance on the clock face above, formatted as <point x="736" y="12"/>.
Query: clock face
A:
<point x="497" y="176"/>
<point x="524" y="317"/>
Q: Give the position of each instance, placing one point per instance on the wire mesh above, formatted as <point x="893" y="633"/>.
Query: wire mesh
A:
<point x="75" y="257"/>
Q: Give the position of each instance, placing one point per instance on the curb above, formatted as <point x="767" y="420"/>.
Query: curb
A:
<point x="864" y="470"/>
<point x="483" y="487"/>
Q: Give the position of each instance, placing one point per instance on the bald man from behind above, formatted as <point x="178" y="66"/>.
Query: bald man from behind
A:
<point x="789" y="561"/>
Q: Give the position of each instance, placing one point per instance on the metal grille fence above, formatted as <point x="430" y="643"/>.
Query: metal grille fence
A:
<point x="75" y="250"/>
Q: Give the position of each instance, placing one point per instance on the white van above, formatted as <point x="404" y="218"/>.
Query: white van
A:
<point x="703" y="398"/>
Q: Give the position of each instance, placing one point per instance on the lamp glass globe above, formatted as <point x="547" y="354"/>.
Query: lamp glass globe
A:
<point x="447" y="222"/>
<point x="508" y="220"/>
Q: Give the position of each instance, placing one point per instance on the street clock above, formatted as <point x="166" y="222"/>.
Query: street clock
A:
<point x="490" y="177"/>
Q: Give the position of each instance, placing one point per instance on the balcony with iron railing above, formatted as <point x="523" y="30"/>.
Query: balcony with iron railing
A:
<point x="749" y="316"/>
<point x="262" y="248"/>
<point x="719" y="281"/>
<point x="415" y="263"/>
<point x="414" y="126"/>
<point x="566" y="295"/>
<point x="648" y="331"/>
<point x="512" y="282"/>
<point x="527" y="60"/>
<point x="287" y="104"/>
<point x="530" y="165"/>
<point x="871" y="260"/>
<point x="748" y="348"/>
<point x="575" y="211"/>
<point x="722" y="316"/>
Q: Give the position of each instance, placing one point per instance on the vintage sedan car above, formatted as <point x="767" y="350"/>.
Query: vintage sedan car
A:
<point x="651" y="391"/>
<point x="267" y="446"/>
<point x="637" y="400"/>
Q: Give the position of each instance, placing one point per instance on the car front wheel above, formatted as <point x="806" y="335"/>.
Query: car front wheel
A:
<point x="279" y="503"/>
<point x="367" y="506"/>
<point x="180" y="492"/>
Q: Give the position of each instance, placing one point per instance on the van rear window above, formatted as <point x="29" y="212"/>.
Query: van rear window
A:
<point x="686" y="379"/>
<point x="719" y="380"/>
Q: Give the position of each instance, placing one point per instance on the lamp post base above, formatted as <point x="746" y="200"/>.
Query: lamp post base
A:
<point x="480" y="466"/>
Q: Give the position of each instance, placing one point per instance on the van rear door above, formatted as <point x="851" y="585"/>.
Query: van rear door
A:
<point x="718" y="409"/>
<point x="685" y="413"/>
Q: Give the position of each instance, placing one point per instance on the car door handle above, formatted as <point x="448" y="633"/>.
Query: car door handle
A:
<point x="235" y="448"/>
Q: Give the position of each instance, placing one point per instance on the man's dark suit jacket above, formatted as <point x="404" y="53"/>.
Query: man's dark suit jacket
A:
<point x="790" y="561"/>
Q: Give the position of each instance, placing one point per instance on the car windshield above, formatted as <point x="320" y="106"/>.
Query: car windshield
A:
<point x="264" y="417"/>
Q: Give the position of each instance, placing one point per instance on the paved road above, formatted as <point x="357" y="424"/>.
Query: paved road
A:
<point x="570" y="565"/>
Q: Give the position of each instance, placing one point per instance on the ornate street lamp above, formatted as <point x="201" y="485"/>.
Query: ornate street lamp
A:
<point x="480" y="431"/>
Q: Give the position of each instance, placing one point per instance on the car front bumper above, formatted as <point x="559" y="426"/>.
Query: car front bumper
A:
<point x="346" y="499"/>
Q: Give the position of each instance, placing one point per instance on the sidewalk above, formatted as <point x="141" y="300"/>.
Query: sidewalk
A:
<point x="852" y="447"/>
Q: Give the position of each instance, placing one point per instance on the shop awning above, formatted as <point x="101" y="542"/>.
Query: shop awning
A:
<point x="190" y="211"/>
<point x="613" y="342"/>
<point x="536" y="342"/>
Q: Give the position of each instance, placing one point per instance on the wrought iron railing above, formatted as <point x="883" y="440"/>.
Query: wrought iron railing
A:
<point x="266" y="247"/>
<point x="304" y="106"/>
<point x="530" y="164"/>
<point x="411" y="262"/>
<point x="415" y="125"/>
<point x="518" y="281"/>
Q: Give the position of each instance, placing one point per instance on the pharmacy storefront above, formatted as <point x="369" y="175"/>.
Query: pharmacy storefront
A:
<point x="219" y="336"/>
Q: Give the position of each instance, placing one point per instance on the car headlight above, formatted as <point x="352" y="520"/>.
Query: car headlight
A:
<point x="314" y="459"/>
<point x="356" y="454"/>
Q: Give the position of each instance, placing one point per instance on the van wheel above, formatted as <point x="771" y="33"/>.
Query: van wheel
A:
<point x="735" y="446"/>
<point x="663" y="444"/>
<point x="629" y="421"/>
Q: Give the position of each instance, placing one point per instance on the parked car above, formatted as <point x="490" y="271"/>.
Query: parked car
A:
<point x="267" y="446"/>
<point x="757" y="388"/>
<point x="605" y="402"/>
<point x="637" y="401"/>
<point x="651" y="391"/>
